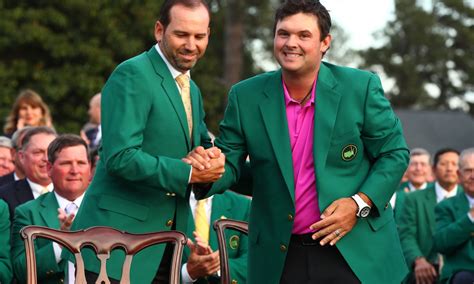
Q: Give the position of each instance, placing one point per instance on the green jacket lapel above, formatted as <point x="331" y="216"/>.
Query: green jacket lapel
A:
<point x="429" y="207"/>
<point x="325" y="112"/>
<point x="220" y="208"/>
<point x="194" y="92"/>
<point x="169" y="87"/>
<point x="462" y="204"/>
<point x="274" y="117"/>
<point x="48" y="210"/>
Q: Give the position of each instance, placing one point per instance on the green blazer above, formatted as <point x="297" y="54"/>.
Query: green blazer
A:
<point x="454" y="235"/>
<point x="42" y="211"/>
<point x="141" y="184"/>
<point x="350" y="112"/>
<point x="234" y="206"/>
<point x="401" y="193"/>
<point x="417" y="224"/>
<point x="6" y="273"/>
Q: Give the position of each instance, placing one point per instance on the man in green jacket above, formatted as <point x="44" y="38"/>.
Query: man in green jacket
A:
<point x="69" y="170"/>
<point x="326" y="155"/>
<point x="418" y="174"/>
<point x="5" y="260"/>
<point x="454" y="235"/>
<point x="204" y="268"/>
<point x="152" y="116"/>
<point x="417" y="220"/>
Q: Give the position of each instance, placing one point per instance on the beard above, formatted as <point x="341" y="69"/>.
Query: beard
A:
<point x="174" y="58"/>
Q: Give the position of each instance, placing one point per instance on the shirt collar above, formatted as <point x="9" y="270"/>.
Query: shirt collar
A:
<point x="470" y="199"/>
<point x="413" y="188"/>
<point x="63" y="202"/>
<point x="289" y="99"/>
<point x="175" y="73"/>
<point x="442" y="193"/>
<point x="37" y="189"/>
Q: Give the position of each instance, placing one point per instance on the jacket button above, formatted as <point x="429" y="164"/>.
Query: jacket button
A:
<point x="234" y="281"/>
<point x="169" y="223"/>
<point x="386" y="206"/>
<point x="283" y="248"/>
<point x="290" y="217"/>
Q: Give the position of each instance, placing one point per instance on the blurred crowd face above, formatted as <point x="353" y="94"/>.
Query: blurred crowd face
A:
<point x="34" y="158"/>
<point x="466" y="175"/>
<point x="94" y="109"/>
<point x="185" y="38"/>
<point x="419" y="170"/>
<point x="70" y="172"/>
<point x="29" y="115"/>
<point x="6" y="161"/>
<point x="446" y="169"/>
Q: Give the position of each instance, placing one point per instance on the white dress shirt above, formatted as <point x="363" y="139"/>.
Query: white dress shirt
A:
<point x="442" y="193"/>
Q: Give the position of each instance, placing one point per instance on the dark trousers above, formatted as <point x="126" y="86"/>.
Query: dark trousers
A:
<point x="309" y="262"/>
<point x="162" y="275"/>
<point x="463" y="277"/>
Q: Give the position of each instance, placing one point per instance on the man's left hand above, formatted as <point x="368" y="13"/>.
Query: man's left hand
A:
<point x="337" y="220"/>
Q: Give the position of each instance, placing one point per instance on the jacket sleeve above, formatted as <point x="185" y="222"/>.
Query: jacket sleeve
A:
<point x="385" y="145"/>
<point x="45" y="259"/>
<point x="451" y="232"/>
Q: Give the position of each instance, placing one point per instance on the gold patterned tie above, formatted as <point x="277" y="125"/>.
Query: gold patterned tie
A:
<point x="201" y="221"/>
<point x="183" y="82"/>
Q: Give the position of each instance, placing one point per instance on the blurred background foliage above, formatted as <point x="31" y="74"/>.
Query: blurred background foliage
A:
<point x="65" y="50"/>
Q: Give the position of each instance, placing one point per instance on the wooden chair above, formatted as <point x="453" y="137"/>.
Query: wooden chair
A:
<point x="103" y="240"/>
<point x="220" y="226"/>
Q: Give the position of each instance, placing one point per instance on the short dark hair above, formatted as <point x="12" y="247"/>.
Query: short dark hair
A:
<point x="314" y="7"/>
<point x="441" y="152"/>
<point x="35" y="131"/>
<point x="165" y="17"/>
<point x="65" y="141"/>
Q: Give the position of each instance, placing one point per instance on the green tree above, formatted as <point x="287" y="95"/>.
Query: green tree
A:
<point x="427" y="51"/>
<point x="65" y="50"/>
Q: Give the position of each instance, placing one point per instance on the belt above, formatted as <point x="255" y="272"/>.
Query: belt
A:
<point x="305" y="240"/>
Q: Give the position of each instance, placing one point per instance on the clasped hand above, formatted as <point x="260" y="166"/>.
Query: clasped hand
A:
<point x="208" y="164"/>
<point x="202" y="261"/>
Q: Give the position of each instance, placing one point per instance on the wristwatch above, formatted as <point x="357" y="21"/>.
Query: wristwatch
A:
<point x="364" y="209"/>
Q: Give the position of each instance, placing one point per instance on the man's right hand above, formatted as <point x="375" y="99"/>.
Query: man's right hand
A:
<point x="208" y="164"/>
<point x="201" y="265"/>
<point x="425" y="273"/>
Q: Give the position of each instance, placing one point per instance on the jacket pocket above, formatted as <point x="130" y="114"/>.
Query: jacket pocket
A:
<point x="376" y="223"/>
<point x="124" y="207"/>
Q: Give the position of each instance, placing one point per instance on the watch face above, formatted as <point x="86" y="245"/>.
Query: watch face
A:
<point x="364" y="212"/>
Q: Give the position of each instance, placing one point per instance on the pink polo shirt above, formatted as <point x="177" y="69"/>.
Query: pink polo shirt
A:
<point x="301" y="129"/>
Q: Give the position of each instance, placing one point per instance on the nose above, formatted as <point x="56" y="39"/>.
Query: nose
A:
<point x="291" y="41"/>
<point x="190" y="43"/>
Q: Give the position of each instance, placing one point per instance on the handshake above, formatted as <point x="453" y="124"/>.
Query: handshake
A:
<point x="208" y="164"/>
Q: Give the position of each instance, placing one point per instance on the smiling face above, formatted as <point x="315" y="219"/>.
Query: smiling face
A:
<point x="185" y="38"/>
<point x="297" y="45"/>
<point x="70" y="172"/>
<point x="419" y="170"/>
<point x="34" y="158"/>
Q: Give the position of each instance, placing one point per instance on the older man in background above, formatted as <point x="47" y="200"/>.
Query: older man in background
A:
<point x="6" y="160"/>
<point x="454" y="236"/>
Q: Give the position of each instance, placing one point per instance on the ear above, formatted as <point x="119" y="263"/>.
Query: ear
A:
<point x="326" y="43"/>
<point x="159" y="31"/>
<point x="49" y="168"/>
<point x="21" y="155"/>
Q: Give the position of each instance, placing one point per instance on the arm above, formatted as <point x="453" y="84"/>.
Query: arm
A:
<point x="6" y="273"/>
<point x="45" y="257"/>
<point x="451" y="232"/>
<point x="126" y="103"/>
<point x="384" y="143"/>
